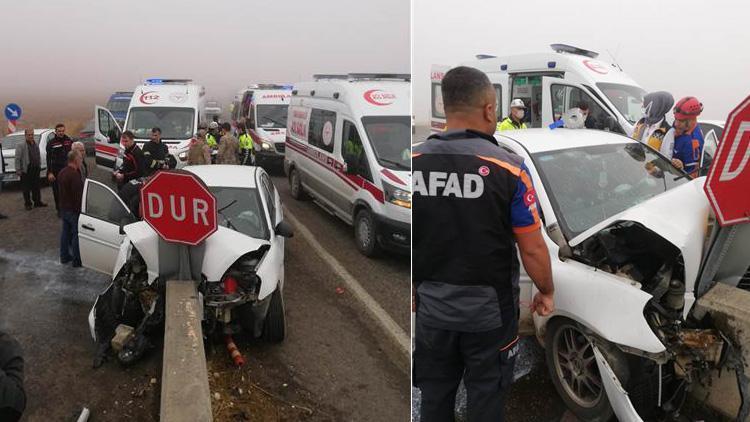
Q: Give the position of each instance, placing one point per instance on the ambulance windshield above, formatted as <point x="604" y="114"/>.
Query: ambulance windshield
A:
<point x="176" y="123"/>
<point x="272" y="116"/>
<point x="627" y="98"/>
<point x="389" y="137"/>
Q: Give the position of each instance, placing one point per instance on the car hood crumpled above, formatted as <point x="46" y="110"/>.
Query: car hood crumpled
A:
<point x="679" y="215"/>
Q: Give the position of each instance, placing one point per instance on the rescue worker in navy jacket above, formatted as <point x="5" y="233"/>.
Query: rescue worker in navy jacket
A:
<point x="473" y="202"/>
<point x="133" y="162"/>
<point x="57" y="159"/>
<point x="155" y="153"/>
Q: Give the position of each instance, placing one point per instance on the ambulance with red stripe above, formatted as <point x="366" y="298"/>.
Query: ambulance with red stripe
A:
<point x="176" y="106"/>
<point x="263" y="108"/>
<point x="552" y="83"/>
<point x="348" y="147"/>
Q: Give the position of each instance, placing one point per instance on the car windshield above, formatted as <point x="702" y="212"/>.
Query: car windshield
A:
<point x="587" y="185"/>
<point x="272" y="116"/>
<point x="240" y="209"/>
<point x="10" y="141"/>
<point x="627" y="98"/>
<point x="176" y="123"/>
<point x="118" y="105"/>
<point x="389" y="137"/>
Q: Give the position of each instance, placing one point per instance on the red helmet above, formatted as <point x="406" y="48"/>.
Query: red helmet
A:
<point x="687" y="108"/>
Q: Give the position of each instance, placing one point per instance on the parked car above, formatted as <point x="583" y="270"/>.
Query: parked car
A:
<point x="242" y="262"/>
<point x="626" y="232"/>
<point x="86" y="135"/>
<point x="8" y="145"/>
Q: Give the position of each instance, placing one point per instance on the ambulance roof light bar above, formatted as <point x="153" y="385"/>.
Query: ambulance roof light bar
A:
<point x="565" y="48"/>
<point x="161" y="81"/>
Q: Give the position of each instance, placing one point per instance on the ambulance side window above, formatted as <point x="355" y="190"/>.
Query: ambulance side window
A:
<point x="565" y="97"/>
<point x="353" y="152"/>
<point x="321" y="129"/>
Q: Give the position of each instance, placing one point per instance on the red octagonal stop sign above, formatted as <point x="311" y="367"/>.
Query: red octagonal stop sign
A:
<point x="179" y="207"/>
<point x="728" y="184"/>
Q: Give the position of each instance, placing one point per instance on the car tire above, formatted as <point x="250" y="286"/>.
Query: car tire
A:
<point x="295" y="185"/>
<point x="365" y="234"/>
<point x="274" y="326"/>
<point x="570" y="359"/>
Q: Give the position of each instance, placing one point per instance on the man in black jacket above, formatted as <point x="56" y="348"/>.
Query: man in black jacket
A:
<point x="12" y="395"/>
<point x="133" y="161"/>
<point x="155" y="153"/>
<point x="57" y="158"/>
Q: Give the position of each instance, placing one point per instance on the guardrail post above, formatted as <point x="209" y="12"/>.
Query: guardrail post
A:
<point x="185" y="394"/>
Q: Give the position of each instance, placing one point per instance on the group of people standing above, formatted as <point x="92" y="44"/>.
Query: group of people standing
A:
<point x="229" y="149"/>
<point x="681" y="142"/>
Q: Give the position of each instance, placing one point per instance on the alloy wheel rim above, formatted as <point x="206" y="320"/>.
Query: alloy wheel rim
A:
<point x="576" y="367"/>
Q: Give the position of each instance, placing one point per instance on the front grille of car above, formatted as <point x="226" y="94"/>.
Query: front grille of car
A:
<point x="280" y="148"/>
<point x="744" y="283"/>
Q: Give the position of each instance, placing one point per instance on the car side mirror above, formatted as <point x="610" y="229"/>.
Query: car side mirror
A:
<point x="284" y="229"/>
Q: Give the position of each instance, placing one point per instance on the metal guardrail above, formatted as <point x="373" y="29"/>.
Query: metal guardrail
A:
<point x="185" y="394"/>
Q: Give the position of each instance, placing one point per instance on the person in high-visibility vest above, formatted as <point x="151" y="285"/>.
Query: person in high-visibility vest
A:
<point x="515" y="120"/>
<point x="247" y="150"/>
<point x="211" y="138"/>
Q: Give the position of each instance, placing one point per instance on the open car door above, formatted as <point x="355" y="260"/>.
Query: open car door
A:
<point x="107" y="134"/>
<point x="99" y="238"/>
<point x="559" y="96"/>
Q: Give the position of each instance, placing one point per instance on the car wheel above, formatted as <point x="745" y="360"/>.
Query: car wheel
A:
<point x="274" y="326"/>
<point x="365" y="233"/>
<point x="574" y="371"/>
<point x="295" y="185"/>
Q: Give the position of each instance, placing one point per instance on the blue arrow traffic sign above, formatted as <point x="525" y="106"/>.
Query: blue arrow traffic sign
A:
<point x="12" y="111"/>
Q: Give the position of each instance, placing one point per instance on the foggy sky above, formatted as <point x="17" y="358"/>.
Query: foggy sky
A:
<point x="84" y="50"/>
<point x="686" y="47"/>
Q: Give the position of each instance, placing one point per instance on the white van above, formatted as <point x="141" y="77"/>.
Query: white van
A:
<point x="348" y="146"/>
<point x="176" y="106"/>
<point x="264" y="109"/>
<point x="552" y="83"/>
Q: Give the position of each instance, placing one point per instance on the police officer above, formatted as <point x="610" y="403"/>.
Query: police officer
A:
<point x="155" y="153"/>
<point x="212" y="137"/>
<point x="473" y="202"/>
<point x="247" y="150"/>
<point x="515" y="120"/>
<point x="57" y="159"/>
<point x="133" y="161"/>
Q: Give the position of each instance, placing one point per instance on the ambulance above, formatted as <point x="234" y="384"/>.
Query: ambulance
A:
<point x="263" y="108"/>
<point x="348" y="147"/>
<point x="552" y="83"/>
<point x="176" y="106"/>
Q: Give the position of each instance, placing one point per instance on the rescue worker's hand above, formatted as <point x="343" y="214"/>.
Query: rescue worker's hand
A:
<point x="118" y="176"/>
<point x="50" y="177"/>
<point x="677" y="163"/>
<point x="542" y="304"/>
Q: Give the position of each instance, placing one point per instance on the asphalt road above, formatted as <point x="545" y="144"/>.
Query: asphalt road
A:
<point x="334" y="364"/>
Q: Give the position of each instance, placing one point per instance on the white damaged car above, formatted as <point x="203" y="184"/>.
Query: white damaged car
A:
<point x="241" y="264"/>
<point x="626" y="233"/>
